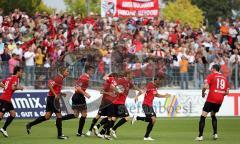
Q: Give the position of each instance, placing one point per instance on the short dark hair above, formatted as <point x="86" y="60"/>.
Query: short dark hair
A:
<point x="89" y="68"/>
<point x="216" y="67"/>
<point x="159" y="77"/>
<point x="62" y="69"/>
<point x="113" y="74"/>
<point x="17" y="69"/>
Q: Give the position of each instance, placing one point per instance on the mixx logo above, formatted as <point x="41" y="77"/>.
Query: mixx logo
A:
<point x="26" y="101"/>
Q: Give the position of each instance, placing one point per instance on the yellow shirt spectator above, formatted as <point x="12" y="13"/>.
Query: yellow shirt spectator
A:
<point x="11" y="47"/>
<point x="103" y="52"/>
<point x="39" y="59"/>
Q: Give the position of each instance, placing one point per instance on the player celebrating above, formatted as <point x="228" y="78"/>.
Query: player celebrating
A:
<point x="105" y="108"/>
<point x="151" y="92"/>
<point x="120" y="110"/>
<point x="79" y="104"/>
<point x="218" y="88"/>
<point x="109" y="95"/>
<point x="9" y="85"/>
<point x="53" y="103"/>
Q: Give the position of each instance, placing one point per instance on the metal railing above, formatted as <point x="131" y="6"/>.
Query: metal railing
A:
<point x="38" y="76"/>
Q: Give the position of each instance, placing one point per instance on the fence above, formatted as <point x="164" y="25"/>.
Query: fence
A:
<point x="37" y="76"/>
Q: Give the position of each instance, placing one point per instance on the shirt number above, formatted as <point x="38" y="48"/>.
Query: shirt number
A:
<point x="6" y="85"/>
<point x="220" y="83"/>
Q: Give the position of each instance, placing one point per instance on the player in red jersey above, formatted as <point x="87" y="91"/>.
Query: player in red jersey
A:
<point x="79" y="104"/>
<point x="125" y="83"/>
<point x="9" y="85"/>
<point x="218" y="88"/>
<point x="53" y="103"/>
<point x="147" y="106"/>
<point x="106" y="107"/>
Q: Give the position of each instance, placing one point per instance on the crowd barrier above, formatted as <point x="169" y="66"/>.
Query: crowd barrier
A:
<point x="182" y="103"/>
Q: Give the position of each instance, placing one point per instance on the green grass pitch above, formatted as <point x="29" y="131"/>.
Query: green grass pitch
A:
<point x="166" y="131"/>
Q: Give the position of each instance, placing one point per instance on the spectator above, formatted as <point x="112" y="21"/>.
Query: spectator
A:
<point x="30" y="66"/>
<point x="232" y="36"/>
<point x="119" y="43"/>
<point x="224" y="29"/>
<point x="200" y="70"/>
<point x="13" y="62"/>
<point x="39" y="58"/>
<point x="183" y="65"/>
<point x="1" y="17"/>
<point x="5" y="57"/>
<point x="235" y="63"/>
<point x="11" y="45"/>
<point x="235" y="57"/>
<point x="18" y="50"/>
<point x="1" y="46"/>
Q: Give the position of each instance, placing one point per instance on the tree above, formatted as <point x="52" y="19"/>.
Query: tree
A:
<point x="43" y="8"/>
<point x="185" y="12"/>
<point x="25" y="5"/>
<point x="79" y="6"/>
<point x="217" y="8"/>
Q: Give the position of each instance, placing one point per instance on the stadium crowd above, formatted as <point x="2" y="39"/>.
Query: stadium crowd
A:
<point x="148" y="47"/>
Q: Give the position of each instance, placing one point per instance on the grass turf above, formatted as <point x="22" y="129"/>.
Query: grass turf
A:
<point x="166" y="131"/>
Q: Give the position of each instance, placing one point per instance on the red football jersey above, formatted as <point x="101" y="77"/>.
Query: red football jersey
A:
<point x="56" y="83"/>
<point x="218" y="85"/>
<point x="150" y="94"/>
<point x="83" y="81"/>
<point x="126" y="85"/>
<point x="8" y="87"/>
<point x="107" y="99"/>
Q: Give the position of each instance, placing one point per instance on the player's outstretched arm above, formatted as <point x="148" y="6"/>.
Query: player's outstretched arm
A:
<point x="138" y="89"/>
<point x="2" y="85"/>
<point x="109" y="93"/>
<point x="137" y="96"/>
<point x="17" y="87"/>
<point x="105" y="77"/>
<point x="115" y="88"/>
<point x="163" y="95"/>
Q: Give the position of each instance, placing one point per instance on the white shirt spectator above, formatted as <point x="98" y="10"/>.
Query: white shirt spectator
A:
<point x="29" y="58"/>
<point x="18" y="51"/>
<point x="211" y="64"/>
<point x="233" y="58"/>
<point x="191" y="58"/>
<point x="175" y="63"/>
<point x="106" y="60"/>
<point x="1" y="20"/>
<point x="233" y="32"/>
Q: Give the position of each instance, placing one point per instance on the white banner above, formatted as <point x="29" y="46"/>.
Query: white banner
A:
<point x="182" y="103"/>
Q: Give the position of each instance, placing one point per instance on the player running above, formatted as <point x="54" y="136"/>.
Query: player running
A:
<point x="218" y="88"/>
<point x="79" y="104"/>
<point x="105" y="108"/>
<point x="53" y="103"/>
<point x="9" y="85"/>
<point x="147" y="106"/>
